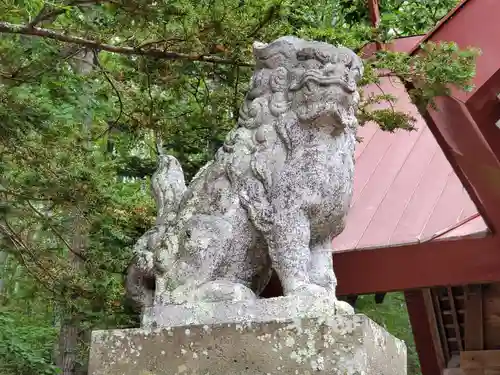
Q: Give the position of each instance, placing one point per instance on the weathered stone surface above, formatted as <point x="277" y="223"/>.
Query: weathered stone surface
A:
<point x="275" y="195"/>
<point x="335" y="345"/>
<point x="243" y="312"/>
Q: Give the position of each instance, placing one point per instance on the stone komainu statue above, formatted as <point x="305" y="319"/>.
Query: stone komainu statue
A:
<point x="275" y="195"/>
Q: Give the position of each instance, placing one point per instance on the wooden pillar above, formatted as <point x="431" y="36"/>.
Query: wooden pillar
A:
<point x="474" y="333"/>
<point x="375" y="18"/>
<point x="374" y="12"/>
<point x="427" y="341"/>
<point x="474" y="322"/>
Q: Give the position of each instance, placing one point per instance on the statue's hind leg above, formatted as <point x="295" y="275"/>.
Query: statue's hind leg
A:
<point x="290" y="253"/>
<point x="206" y="284"/>
<point x="248" y="261"/>
<point x="211" y="264"/>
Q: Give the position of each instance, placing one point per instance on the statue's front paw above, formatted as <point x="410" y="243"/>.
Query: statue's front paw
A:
<point x="343" y="308"/>
<point x="223" y="290"/>
<point x="213" y="291"/>
<point x="325" y="279"/>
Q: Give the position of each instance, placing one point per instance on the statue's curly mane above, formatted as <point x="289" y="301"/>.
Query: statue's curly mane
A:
<point x="268" y="116"/>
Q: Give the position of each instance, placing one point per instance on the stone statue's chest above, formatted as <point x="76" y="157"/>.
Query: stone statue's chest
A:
<point x="330" y="186"/>
<point x="329" y="157"/>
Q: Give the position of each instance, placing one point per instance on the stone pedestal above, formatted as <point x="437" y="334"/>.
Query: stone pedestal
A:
<point x="287" y="335"/>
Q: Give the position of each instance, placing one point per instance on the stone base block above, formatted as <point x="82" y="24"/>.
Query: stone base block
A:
<point x="294" y="344"/>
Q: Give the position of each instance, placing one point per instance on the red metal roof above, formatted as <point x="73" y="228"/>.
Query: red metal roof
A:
<point x="440" y="24"/>
<point x="405" y="190"/>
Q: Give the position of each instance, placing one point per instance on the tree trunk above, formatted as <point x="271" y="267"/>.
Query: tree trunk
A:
<point x="3" y="260"/>
<point x="68" y="347"/>
<point x="70" y="333"/>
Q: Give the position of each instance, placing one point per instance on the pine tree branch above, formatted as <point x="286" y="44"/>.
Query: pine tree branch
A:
<point x="46" y="15"/>
<point x="57" y="233"/>
<point x="270" y="15"/>
<point x="11" y="28"/>
<point x="21" y="249"/>
<point x="49" y="12"/>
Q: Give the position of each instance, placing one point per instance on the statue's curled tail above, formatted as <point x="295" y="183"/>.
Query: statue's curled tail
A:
<point x="167" y="187"/>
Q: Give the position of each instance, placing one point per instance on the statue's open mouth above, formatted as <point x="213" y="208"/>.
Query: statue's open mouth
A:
<point x="321" y="79"/>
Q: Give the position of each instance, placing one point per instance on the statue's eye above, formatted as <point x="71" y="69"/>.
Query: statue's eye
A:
<point x="322" y="57"/>
<point x="302" y="57"/>
<point x="305" y="54"/>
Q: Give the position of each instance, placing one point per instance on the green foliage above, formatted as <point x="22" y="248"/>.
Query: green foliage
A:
<point x="406" y="18"/>
<point x="433" y="72"/>
<point x="25" y="347"/>
<point x="26" y="330"/>
<point x="398" y="17"/>
<point x="80" y="123"/>
<point x="393" y="316"/>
